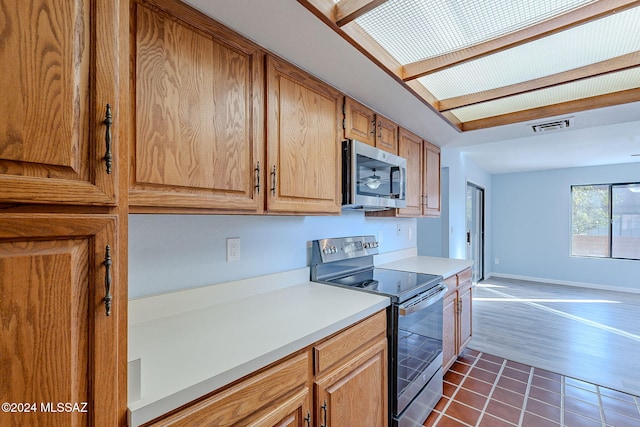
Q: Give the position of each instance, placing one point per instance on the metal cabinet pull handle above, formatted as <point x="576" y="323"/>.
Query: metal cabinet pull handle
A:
<point x="380" y="129"/>
<point x="373" y="126"/>
<point x="324" y="414"/>
<point x="308" y="418"/>
<point x="107" y="280"/>
<point x="257" y="186"/>
<point x="108" y="121"/>
<point x="273" y="180"/>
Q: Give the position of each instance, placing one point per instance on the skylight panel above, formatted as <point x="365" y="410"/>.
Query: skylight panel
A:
<point x="606" y="38"/>
<point x="412" y="30"/>
<point x="615" y="82"/>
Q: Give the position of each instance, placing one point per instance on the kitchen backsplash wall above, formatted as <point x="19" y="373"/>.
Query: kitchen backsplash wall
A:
<point x="174" y="252"/>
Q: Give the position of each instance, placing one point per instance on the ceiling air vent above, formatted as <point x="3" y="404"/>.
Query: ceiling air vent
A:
<point x="552" y="126"/>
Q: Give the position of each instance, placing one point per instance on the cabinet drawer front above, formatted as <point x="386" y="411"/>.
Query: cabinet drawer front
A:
<point x="464" y="276"/>
<point x="452" y="283"/>
<point x="233" y="405"/>
<point x="327" y="353"/>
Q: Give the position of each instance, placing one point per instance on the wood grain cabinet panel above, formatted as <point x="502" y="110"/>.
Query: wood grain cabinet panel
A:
<point x="365" y="125"/>
<point x="198" y="113"/>
<point x="386" y="134"/>
<point x="303" y="142"/>
<point x="410" y="148"/>
<point x="457" y="313"/>
<point x="57" y="343"/>
<point x="60" y="68"/>
<point x="431" y="180"/>
<point x="355" y="392"/>
<point x="359" y="122"/>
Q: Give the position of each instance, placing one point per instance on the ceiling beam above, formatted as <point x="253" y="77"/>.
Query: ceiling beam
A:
<point x="600" y="101"/>
<point x="620" y="63"/>
<point x="573" y="18"/>
<point x="349" y="10"/>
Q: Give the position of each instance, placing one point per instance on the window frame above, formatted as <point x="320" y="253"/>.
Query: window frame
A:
<point x="610" y="187"/>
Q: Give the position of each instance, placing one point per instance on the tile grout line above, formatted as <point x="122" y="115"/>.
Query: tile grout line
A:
<point x="458" y="386"/>
<point x="493" y="387"/>
<point x="526" y="396"/>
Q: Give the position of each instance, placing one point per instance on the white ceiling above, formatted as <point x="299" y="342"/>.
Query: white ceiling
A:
<point x="602" y="136"/>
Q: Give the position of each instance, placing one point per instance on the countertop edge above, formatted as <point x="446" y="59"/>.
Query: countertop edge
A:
<point x="147" y="412"/>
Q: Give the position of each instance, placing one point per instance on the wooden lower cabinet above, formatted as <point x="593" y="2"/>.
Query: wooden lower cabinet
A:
<point x="457" y="321"/>
<point x="348" y="373"/>
<point x="58" y="343"/>
<point x="355" y="392"/>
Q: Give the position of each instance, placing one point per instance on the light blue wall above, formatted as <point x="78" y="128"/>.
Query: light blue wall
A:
<point x="173" y="252"/>
<point x="460" y="170"/>
<point x="532" y="223"/>
<point x="433" y="239"/>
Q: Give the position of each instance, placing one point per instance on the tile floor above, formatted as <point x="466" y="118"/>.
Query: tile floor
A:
<point x="487" y="391"/>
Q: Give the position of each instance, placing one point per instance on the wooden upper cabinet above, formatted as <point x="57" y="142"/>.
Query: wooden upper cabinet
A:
<point x="198" y="87"/>
<point x="363" y="124"/>
<point x="410" y="148"/>
<point x="303" y="141"/>
<point x="359" y="122"/>
<point x="60" y="68"/>
<point x="386" y="134"/>
<point x="432" y="180"/>
<point x="56" y="341"/>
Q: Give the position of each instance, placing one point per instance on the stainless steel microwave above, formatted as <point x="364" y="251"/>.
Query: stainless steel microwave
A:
<point x="372" y="179"/>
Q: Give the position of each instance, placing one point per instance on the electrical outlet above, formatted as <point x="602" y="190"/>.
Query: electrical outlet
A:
<point x="399" y="229"/>
<point x="410" y="233"/>
<point x="497" y="260"/>
<point x="233" y="249"/>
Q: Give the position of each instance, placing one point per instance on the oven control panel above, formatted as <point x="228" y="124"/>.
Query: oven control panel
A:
<point x="341" y="248"/>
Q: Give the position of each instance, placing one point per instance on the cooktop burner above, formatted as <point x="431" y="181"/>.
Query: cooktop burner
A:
<point x="400" y="284"/>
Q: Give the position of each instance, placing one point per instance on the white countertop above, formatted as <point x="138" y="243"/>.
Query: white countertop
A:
<point x="193" y="342"/>
<point x="444" y="267"/>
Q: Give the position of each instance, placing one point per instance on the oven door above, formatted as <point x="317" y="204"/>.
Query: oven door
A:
<point x="419" y="350"/>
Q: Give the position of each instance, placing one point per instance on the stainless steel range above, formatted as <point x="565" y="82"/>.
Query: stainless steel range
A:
<point x="414" y="320"/>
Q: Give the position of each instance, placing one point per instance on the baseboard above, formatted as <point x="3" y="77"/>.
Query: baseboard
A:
<point x="566" y="283"/>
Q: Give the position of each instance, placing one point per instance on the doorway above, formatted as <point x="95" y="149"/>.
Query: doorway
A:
<point x="474" y="213"/>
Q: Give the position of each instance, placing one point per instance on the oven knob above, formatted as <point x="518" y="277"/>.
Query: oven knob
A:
<point x="334" y="249"/>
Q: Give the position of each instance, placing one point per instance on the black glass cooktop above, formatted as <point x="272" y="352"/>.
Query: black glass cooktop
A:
<point x="395" y="283"/>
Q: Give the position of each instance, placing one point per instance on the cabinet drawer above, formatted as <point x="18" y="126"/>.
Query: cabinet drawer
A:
<point x="452" y="283"/>
<point x="244" y="398"/>
<point x="463" y="276"/>
<point x="327" y="353"/>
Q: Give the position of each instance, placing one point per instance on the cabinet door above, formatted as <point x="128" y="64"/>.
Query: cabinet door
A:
<point x="293" y="412"/>
<point x="60" y="68"/>
<point x="465" y="318"/>
<point x="198" y="112"/>
<point x="432" y="180"/>
<point x="449" y="325"/>
<point x="57" y="343"/>
<point x="303" y="142"/>
<point x="386" y="134"/>
<point x="359" y="122"/>
<point x="410" y="147"/>
<point x="355" y="393"/>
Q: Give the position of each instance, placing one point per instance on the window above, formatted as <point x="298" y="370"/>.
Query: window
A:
<point x="605" y="220"/>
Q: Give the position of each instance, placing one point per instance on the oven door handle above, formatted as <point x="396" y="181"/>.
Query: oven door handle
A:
<point x="422" y="300"/>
